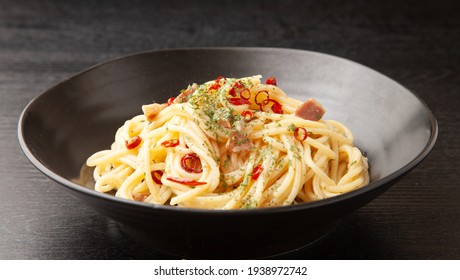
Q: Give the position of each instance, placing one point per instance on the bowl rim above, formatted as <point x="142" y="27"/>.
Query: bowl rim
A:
<point x="198" y="211"/>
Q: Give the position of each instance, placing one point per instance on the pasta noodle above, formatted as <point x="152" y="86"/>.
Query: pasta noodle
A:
<point x="228" y="144"/>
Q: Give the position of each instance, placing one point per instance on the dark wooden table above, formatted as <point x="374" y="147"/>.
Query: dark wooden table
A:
<point x="415" y="42"/>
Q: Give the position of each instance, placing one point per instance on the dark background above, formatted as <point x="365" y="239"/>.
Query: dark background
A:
<point x="417" y="43"/>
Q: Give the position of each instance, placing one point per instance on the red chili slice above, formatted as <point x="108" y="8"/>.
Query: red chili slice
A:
<point x="238" y="101"/>
<point x="156" y="176"/>
<point x="170" y="143"/>
<point x="219" y="78"/>
<point x="256" y="171"/>
<point x="261" y="101"/>
<point x="191" y="163"/>
<point x="171" y="101"/>
<point x="271" y="81"/>
<point x="133" y="142"/>
<point x="215" y="86"/>
<point x="237" y="87"/>
<point x="300" y="133"/>
<point x="185" y="181"/>
<point x="247" y="116"/>
<point x="276" y="107"/>
<point x="245" y="94"/>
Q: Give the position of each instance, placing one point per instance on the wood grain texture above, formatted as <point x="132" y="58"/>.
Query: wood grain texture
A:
<point x="415" y="42"/>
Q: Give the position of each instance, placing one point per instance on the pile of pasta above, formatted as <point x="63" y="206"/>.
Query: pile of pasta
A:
<point x="230" y="143"/>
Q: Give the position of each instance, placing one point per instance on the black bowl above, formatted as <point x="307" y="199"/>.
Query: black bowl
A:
<point x="60" y="128"/>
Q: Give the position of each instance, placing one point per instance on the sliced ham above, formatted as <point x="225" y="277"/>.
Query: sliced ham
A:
<point x="183" y="97"/>
<point x="310" y="110"/>
<point x="152" y="110"/>
<point x="140" y="196"/>
<point x="239" y="141"/>
<point x="224" y="123"/>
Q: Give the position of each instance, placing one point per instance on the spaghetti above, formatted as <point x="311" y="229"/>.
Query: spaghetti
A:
<point x="228" y="144"/>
